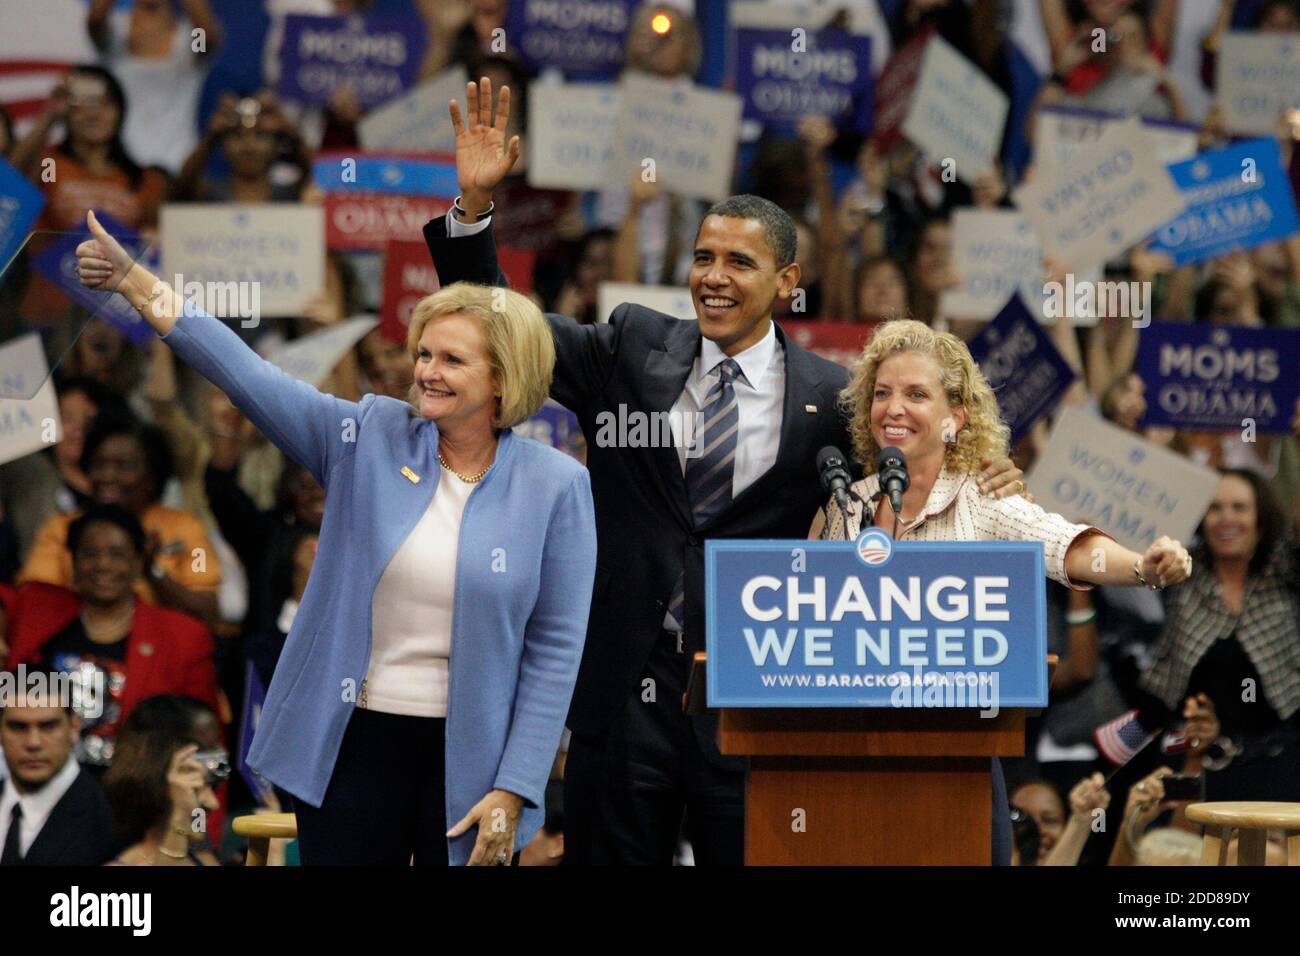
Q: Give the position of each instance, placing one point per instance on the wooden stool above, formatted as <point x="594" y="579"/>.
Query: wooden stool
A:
<point x="261" y="829"/>
<point x="1252" y="820"/>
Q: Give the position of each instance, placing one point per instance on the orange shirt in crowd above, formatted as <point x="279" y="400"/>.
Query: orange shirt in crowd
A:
<point x="73" y="191"/>
<point x="179" y="534"/>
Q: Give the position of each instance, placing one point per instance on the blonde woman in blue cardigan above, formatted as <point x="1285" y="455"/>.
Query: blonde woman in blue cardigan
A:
<point x="418" y="704"/>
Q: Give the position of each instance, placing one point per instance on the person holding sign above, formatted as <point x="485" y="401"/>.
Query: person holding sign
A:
<point x="637" y="764"/>
<point x="426" y="674"/>
<point x="919" y="393"/>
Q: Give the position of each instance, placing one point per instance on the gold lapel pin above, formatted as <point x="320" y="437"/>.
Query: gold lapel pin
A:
<point x="810" y="408"/>
<point x="411" y="476"/>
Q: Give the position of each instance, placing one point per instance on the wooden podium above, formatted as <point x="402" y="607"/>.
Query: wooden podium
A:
<point x="869" y="786"/>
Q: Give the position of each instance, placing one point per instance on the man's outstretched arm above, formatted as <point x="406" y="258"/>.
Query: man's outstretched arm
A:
<point x="463" y="253"/>
<point x="463" y="249"/>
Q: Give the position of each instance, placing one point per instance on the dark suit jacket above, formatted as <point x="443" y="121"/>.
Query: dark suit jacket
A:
<point x="79" y="831"/>
<point x="641" y="360"/>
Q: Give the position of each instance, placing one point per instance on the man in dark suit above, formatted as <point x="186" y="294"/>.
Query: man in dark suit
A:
<point x="748" y="411"/>
<point x="52" y="812"/>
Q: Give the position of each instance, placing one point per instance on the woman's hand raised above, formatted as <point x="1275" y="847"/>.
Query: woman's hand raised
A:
<point x="102" y="263"/>
<point x="483" y="156"/>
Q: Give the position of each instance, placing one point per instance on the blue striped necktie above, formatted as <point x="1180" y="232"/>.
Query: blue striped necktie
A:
<point x="710" y="465"/>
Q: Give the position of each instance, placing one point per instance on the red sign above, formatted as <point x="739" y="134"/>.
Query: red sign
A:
<point x="526" y="218"/>
<point x="840" y="342"/>
<point x="894" y="89"/>
<point x="372" y="220"/>
<point x="409" y="276"/>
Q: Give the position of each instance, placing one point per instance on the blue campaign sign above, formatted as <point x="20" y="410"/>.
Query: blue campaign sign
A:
<point x="781" y="86"/>
<point x="584" y="39"/>
<point x="398" y="175"/>
<point x="58" y="263"/>
<point x="875" y="623"/>
<point x="1025" y="369"/>
<point x="20" y="204"/>
<point x="254" y="701"/>
<point x="379" y="57"/>
<point x="1237" y="198"/>
<point x="1217" y="377"/>
<point x="553" y="425"/>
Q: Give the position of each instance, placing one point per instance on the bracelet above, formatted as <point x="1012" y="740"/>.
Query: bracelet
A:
<point x="1079" y="618"/>
<point x="1137" y="572"/>
<point x="167" y="853"/>
<point x="149" y="301"/>
<point x="459" y="210"/>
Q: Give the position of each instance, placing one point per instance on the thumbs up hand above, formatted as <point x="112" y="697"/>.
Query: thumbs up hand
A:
<point x="102" y="263"/>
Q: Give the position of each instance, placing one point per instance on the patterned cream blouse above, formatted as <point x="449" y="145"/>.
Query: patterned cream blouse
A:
<point x="956" y="511"/>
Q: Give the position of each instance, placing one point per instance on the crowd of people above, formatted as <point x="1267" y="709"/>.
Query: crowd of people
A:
<point x="161" y="550"/>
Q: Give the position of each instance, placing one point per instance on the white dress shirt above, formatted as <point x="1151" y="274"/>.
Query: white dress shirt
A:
<point x="760" y="393"/>
<point x="760" y="397"/>
<point x="37" y="806"/>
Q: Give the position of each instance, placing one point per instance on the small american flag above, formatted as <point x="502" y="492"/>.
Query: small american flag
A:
<point x="1119" y="739"/>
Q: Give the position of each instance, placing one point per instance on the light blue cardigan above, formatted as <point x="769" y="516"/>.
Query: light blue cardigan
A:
<point x="524" y="574"/>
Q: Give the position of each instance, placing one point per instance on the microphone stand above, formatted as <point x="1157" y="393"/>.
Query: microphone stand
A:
<point x="876" y="497"/>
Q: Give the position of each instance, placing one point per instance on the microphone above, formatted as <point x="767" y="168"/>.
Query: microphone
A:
<point x="834" y="474"/>
<point x="891" y="465"/>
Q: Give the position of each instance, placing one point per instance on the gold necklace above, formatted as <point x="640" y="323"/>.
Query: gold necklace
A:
<point x="468" y="479"/>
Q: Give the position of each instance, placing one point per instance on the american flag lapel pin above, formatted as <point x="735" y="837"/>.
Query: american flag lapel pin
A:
<point x="411" y="476"/>
<point x="811" y="409"/>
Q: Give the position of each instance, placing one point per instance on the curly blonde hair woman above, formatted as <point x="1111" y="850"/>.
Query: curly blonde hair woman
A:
<point x="919" y="391"/>
<point x="985" y="438"/>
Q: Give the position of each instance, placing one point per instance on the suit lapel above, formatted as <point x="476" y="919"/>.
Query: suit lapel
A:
<point x="666" y="371"/>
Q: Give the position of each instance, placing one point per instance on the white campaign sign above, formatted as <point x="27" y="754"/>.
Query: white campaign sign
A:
<point x="312" y="357"/>
<point x="278" y="246"/>
<point x="1111" y="197"/>
<point x="418" y="120"/>
<point x="570" y="142"/>
<point x="956" y="112"/>
<point x="1258" y="78"/>
<point x="1096" y="473"/>
<point x="27" y="399"/>
<point x="996" y="254"/>
<point x="688" y="131"/>
<point x="863" y="18"/>
<point x="669" y="300"/>
<point x="1061" y="134"/>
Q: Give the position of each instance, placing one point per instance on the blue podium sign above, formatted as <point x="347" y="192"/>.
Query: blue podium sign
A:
<point x="875" y="623"/>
